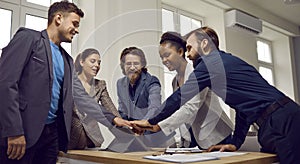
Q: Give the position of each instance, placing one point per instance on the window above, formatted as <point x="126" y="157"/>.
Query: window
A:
<point x="174" y="19"/>
<point x="32" y="16"/>
<point x="28" y="13"/>
<point x="167" y="20"/>
<point x="5" y="28"/>
<point x="265" y="62"/>
<point x="188" y="24"/>
<point x="45" y="3"/>
<point x="30" y="22"/>
<point x="40" y="2"/>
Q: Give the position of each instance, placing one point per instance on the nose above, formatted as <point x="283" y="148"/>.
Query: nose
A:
<point x="164" y="60"/>
<point x="77" y="30"/>
<point x="132" y="67"/>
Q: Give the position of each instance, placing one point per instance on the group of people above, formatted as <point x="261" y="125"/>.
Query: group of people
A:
<point x="48" y="103"/>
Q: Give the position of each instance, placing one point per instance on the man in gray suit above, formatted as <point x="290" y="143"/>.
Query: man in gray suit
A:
<point x="37" y="92"/>
<point x="138" y="91"/>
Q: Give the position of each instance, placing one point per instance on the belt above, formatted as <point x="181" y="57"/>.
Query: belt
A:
<point x="270" y="109"/>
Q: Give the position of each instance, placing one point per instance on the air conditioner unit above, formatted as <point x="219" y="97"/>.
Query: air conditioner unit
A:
<point x="241" y="20"/>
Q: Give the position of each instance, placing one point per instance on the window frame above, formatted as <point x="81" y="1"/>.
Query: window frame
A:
<point x="177" y="12"/>
<point x="266" y="64"/>
<point x="13" y="6"/>
<point x="176" y="19"/>
<point x="15" y="15"/>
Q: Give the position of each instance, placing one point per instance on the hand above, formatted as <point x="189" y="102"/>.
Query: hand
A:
<point x="141" y="123"/>
<point x="16" y="147"/>
<point x="121" y="122"/>
<point x="144" y="125"/>
<point x="226" y="147"/>
<point x="155" y="128"/>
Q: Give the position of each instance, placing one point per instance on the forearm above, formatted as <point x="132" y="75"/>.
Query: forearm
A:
<point x="107" y="102"/>
<point x="240" y="132"/>
<point x="154" y="102"/>
<point x="88" y="105"/>
<point x="186" y="114"/>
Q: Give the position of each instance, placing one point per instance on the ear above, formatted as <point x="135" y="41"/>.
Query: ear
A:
<point x="205" y="46"/>
<point x="58" y="19"/>
<point x="181" y="52"/>
<point x="204" y="43"/>
<point x="81" y="62"/>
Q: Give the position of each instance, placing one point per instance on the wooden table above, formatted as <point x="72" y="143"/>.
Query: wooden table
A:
<point x="137" y="157"/>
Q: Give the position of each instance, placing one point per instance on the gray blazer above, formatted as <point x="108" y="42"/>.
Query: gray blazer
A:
<point x="146" y="101"/>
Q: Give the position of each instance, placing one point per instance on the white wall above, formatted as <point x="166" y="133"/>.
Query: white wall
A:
<point x="113" y="25"/>
<point x="296" y="41"/>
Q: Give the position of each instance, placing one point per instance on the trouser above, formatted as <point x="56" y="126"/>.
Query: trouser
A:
<point x="280" y="133"/>
<point x="45" y="151"/>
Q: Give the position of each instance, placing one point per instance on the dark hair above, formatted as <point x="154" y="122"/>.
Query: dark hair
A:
<point x="133" y="51"/>
<point x="175" y="39"/>
<point x="64" y="7"/>
<point x="82" y="56"/>
<point x="205" y="33"/>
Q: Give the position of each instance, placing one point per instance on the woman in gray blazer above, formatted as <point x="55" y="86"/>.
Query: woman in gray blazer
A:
<point x="84" y="130"/>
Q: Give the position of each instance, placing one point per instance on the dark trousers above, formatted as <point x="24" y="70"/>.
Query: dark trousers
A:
<point x="45" y="151"/>
<point x="280" y="134"/>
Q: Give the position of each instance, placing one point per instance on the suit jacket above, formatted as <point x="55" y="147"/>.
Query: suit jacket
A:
<point x="210" y="124"/>
<point x="26" y="87"/>
<point x="100" y="94"/>
<point x="146" y="101"/>
<point x="84" y="130"/>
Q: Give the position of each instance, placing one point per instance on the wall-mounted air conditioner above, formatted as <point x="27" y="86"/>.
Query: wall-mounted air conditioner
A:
<point x="241" y="20"/>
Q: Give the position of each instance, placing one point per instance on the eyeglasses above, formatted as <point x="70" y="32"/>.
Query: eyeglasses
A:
<point x="134" y="64"/>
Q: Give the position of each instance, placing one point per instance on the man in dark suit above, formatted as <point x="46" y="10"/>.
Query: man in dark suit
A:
<point x="38" y="88"/>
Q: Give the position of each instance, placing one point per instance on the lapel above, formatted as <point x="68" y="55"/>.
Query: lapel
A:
<point x="67" y="71"/>
<point x="140" y="87"/>
<point x="49" y="57"/>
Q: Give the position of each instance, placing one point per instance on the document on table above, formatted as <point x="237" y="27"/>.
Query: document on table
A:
<point x="183" y="150"/>
<point x="181" y="158"/>
<point x="184" y="158"/>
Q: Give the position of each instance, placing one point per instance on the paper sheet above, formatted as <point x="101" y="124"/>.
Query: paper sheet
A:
<point x="183" y="158"/>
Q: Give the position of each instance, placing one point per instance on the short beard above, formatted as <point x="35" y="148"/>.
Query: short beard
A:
<point x="135" y="76"/>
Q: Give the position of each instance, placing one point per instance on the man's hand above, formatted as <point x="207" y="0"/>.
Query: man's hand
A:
<point x="16" y="147"/>
<point x="226" y="147"/>
<point x="144" y="125"/>
<point x="141" y="123"/>
<point x="121" y="122"/>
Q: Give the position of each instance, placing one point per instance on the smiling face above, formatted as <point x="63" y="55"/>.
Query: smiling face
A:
<point x="132" y="67"/>
<point x="91" y="65"/>
<point x="69" y="24"/>
<point x="170" y="57"/>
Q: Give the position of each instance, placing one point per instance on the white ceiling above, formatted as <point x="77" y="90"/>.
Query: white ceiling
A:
<point x="288" y="11"/>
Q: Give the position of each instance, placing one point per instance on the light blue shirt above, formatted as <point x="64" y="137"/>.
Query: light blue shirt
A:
<point x="58" y="77"/>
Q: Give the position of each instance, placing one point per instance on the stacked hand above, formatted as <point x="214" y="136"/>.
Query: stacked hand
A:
<point x="143" y="125"/>
<point x="137" y="126"/>
<point x="125" y="123"/>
